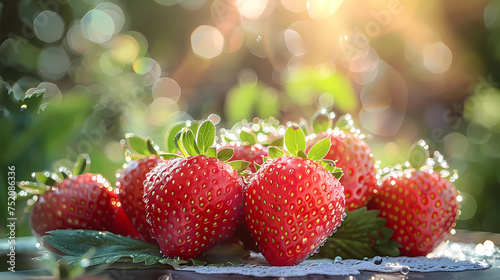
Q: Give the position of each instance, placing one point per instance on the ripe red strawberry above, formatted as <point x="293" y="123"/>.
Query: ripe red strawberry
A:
<point x="194" y="202"/>
<point x="292" y="204"/>
<point x="420" y="206"/>
<point x="130" y="185"/>
<point x="81" y="202"/>
<point x="251" y="153"/>
<point x="355" y="158"/>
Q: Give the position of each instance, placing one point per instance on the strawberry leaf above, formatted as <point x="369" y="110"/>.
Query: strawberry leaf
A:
<point x="319" y="150"/>
<point x="321" y="121"/>
<point x="362" y="234"/>
<point x="139" y="145"/>
<point x="151" y="146"/>
<point x="170" y="145"/>
<point x="44" y="178"/>
<point x="205" y="136"/>
<point x="418" y="154"/>
<point x="189" y="143"/>
<point x="345" y="122"/>
<point x="212" y="152"/>
<point x="278" y="142"/>
<point x="295" y="140"/>
<point x="302" y="154"/>
<point x="106" y="247"/>
<point x="225" y="154"/>
<point x="33" y="188"/>
<point x="168" y="156"/>
<point x="239" y="165"/>
<point x="247" y="137"/>
<point x="275" y="152"/>
<point x="82" y="165"/>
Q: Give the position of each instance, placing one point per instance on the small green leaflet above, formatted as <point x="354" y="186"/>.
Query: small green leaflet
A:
<point x="362" y="234"/>
<point x="168" y="156"/>
<point x="43" y="179"/>
<point x="205" y="136"/>
<point x="81" y="165"/>
<point x="418" y="155"/>
<point x="319" y="150"/>
<point x="140" y="145"/>
<point x="247" y="137"/>
<point x="239" y="165"/>
<point x="225" y="154"/>
<point x="170" y="145"/>
<point x="189" y="143"/>
<point x="212" y="152"/>
<point x="295" y="140"/>
<point x="321" y="121"/>
<point x="275" y="152"/>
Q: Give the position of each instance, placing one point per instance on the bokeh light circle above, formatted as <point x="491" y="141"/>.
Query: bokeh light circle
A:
<point x="124" y="49"/>
<point x="166" y="87"/>
<point x="97" y="26"/>
<point x="53" y="63"/>
<point x="251" y="9"/>
<point x="437" y="58"/>
<point x="207" y="42"/>
<point x="48" y="26"/>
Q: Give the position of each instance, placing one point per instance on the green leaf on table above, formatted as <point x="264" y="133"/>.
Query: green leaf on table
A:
<point x="205" y="137"/>
<point x="247" y="137"/>
<point x="295" y="140"/>
<point x="225" y="154"/>
<point x="362" y="234"/>
<point x="319" y="150"/>
<point x="275" y="152"/>
<point x="106" y="248"/>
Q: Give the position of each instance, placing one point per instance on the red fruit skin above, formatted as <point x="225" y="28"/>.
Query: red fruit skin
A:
<point x="291" y="206"/>
<point x="356" y="160"/>
<point x="250" y="153"/>
<point x="130" y="185"/>
<point x="81" y="202"/>
<point x="421" y="207"/>
<point x="192" y="204"/>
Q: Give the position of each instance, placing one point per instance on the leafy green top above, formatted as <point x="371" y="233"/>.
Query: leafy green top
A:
<point x="295" y="144"/>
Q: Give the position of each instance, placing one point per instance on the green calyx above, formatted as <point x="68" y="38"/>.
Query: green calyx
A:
<point x="420" y="159"/>
<point x="295" y="144"/>
<point x="203" y="143"/>
<point x="45" y="180"/>
<point x="362" y="234"/>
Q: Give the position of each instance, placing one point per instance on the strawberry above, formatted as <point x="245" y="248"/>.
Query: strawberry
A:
<point x="194" y="202"/>
<point x="251" y="153"/>
<point x="355" y="158"/>
<point x="420" y="206"/>
<point x="81" y="202"/>
<point x="292" y="203"/>
<point x="130" y="185"/>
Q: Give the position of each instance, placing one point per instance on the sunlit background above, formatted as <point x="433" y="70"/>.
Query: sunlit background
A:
<point x="404" y="69"/>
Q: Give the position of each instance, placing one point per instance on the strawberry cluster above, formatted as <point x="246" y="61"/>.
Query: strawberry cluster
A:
<point x="270" y="187"/>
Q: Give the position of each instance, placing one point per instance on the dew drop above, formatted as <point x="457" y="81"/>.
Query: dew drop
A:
<point x="23" y="107"/>
<point x="405" y="270"/>
<point x="84" y="262"/>
<point x="259" y="38"/>
<point x="350" y="277"/>
<point x="377" y="260"/>
<point x="337" y="259"/>
<point x="365" y="259"/>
